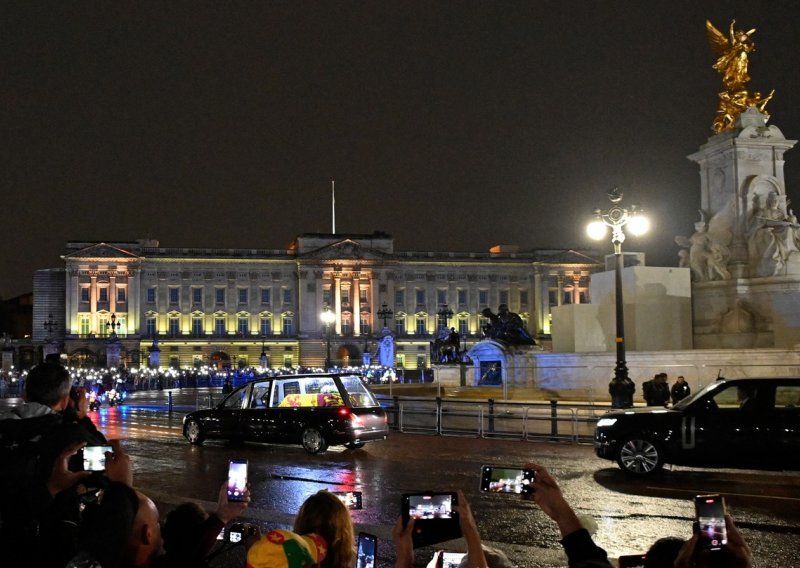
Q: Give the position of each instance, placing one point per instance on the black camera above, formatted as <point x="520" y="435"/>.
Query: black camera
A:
<point x="240" y="531"/>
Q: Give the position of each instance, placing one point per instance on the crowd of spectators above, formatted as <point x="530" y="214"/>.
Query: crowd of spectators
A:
<point x="54" y="514"/>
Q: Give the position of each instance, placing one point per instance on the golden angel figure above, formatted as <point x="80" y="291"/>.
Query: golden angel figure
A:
<point x="732" y="52"/>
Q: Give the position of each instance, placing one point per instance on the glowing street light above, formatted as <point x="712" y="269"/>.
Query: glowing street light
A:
<point x="618" y="217"/>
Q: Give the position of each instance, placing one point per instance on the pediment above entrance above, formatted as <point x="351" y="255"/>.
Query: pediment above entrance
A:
<point x="102" y="251"/>
<point x="346" y="249"/>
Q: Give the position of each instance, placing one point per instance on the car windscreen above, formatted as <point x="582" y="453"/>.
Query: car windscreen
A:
<point x="359" y="394"/>
<point x="694" y="396"/>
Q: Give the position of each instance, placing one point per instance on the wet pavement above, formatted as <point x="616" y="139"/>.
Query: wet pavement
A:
<point x="629" y="514"/>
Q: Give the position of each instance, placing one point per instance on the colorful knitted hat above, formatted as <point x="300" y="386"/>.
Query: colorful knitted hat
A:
<point x="285" y="549"/>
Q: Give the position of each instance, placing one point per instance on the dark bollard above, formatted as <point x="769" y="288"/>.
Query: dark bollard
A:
<point x="554" y="419"/>
<point x="438" y="415"/>
<point x="491" y="416"/>
<point x="169" y="401"/>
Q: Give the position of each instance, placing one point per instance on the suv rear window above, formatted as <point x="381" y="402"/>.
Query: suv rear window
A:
<point x="360" y="397"/>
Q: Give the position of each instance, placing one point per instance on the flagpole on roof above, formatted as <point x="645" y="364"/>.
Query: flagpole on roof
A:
<point x="333" y="207"/>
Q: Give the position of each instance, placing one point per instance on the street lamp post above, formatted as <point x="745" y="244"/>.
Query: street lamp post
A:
<point x="328" y="318"/>
<point x="444" y="315"/>
<point x="385" y="313"/>
<point x="113" y="326"/>
<point x="618" y="217"/>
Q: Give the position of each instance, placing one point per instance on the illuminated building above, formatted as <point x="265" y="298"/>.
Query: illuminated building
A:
<point x="224" y="307"/>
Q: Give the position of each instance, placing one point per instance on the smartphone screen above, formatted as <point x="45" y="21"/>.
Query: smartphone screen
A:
<point x="94" y="457"/>
<point x="351" y="499"/>
<point x="430" y="506"/>
<point x="237" y="480"/>
<point x="367" y="550"/>
<point x="710" y="512"/>
<point x="451" y="559"/>
<point x="506" y="479"/>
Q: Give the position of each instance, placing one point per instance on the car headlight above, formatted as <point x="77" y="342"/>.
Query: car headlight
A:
<point x="603" y="422"/>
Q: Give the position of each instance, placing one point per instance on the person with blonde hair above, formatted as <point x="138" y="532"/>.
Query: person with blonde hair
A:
<point x="324" y="514"/>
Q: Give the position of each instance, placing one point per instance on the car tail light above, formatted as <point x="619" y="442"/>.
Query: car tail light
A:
<point x="355" y="420"/>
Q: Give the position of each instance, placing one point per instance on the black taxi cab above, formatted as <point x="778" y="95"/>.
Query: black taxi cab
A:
<point x="751" y="423"/>
<point x="314" y="410"/>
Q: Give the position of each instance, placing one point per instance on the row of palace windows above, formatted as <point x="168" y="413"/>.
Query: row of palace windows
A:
<point x="420" y="297"/>
<point x="197" y="295"/>
<point x="103" y="293"/>
<point x="220" y="325"/>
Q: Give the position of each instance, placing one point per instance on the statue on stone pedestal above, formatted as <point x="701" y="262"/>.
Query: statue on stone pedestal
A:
<point x="708" y="252"/>
<point x="732" y="63"/>
<point x="771" y="236"/>
<point x="506" y="326"/>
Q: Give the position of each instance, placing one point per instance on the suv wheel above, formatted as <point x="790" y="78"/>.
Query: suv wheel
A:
<point x="639" y="456"/>
<point x="313" y="441"/>
<point x="194" y="432"/>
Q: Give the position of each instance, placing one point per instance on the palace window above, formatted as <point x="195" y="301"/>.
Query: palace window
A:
<point x="122" y="294"/>
<point x="174" y="326"/>
<point x="503" y="297"/>
<point x="197" y="326"/>
<point x="523" y="298"/>
<point x="462" y="298"/>
<point x="421" y="325"/>
<point x="197" y="296"/>
<point x="174" y="295"/>
<point x="483" y="298"/>
<point x="400" y="325"/>
<point x="265" y="325"/>
<point x="288" y="325"/>
<point x="85" y="291"/>
<point x="399" y="297"/>
<point x="151" y="294"/>
<point x="420" y="295"/>
<point x="219" y="296"/>
<point x="103" y="295"/>
<point x="243" y="325"/>
<point x="150" y="326"/>
<point x="287" y="296"/>
<point x="266" y="294"/>
<point x="463" y="326"/>
<point x="219" y="325"/>
<point x="441" y="297"/>
<point x="83" y="324"/>
<point x="242" y="296"/>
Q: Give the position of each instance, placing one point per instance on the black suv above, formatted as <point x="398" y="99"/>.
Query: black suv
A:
<point x="315" y="410"/>
<point x="751" y="423"/>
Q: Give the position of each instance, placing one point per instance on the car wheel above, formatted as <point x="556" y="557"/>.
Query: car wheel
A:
<point x="354" y="445"/>
<point x="194" y="432"/>
<point x="638" y="456"/>
<point x="313" y="441"/>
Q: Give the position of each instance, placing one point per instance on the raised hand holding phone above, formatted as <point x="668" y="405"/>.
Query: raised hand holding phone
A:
<point x="237" y="479"/>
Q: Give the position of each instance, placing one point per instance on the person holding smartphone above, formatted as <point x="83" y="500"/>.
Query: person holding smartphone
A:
<point x="404" y="545"/>
<point x="735" y="554"/>
<point x="581" y="550"/>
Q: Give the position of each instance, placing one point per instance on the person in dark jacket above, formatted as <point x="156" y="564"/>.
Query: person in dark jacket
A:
<point x="656" y="391"/>
<point x="680" y="389"/>
<point x="39" y="465"/>
<point x="621" y="391"/>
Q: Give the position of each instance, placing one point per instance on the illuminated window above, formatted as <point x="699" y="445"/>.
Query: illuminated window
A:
<point x="346" y="296"/>
<point x="463" y="326"/>
<point x="174" y="326"/>
<point x="347" y="324"/>
<point x="400" y="359"/>
<point x="400" y="325"/>
<point x="288" y="326"/>
<point x="326" y="296"/>
<point x="363" y="296"/>
<point x="421" y="360"/>
<point x="197" y="326"/>
<point x="365" y="327"/>
<point x="243" y="325"/>
<point x="421" y="325"/>
<point x="122" y="295"/>
<point x="85" y="294"/>
<point x="102" y="295"/>
<point x="150" y="326"/>
<point x="83" y="324"/>
<point x="219" y="325"/>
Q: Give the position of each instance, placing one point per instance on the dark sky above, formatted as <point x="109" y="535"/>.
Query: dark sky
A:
<point x="450" y="125"/>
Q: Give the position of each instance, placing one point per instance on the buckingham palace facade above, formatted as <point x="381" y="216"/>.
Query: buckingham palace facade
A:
<point x="240" y="307"/>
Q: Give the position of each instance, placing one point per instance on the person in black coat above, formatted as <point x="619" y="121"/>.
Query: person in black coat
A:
<point x="656" y="391"/>
<point x="680" y="390"/>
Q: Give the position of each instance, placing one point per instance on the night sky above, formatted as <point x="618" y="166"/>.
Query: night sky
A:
<point x="449" y="125"/>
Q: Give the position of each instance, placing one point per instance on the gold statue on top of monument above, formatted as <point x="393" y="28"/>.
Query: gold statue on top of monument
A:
<point x="732" y="63"/>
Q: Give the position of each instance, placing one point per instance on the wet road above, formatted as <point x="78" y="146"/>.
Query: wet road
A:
<point x="630" y="514"/>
